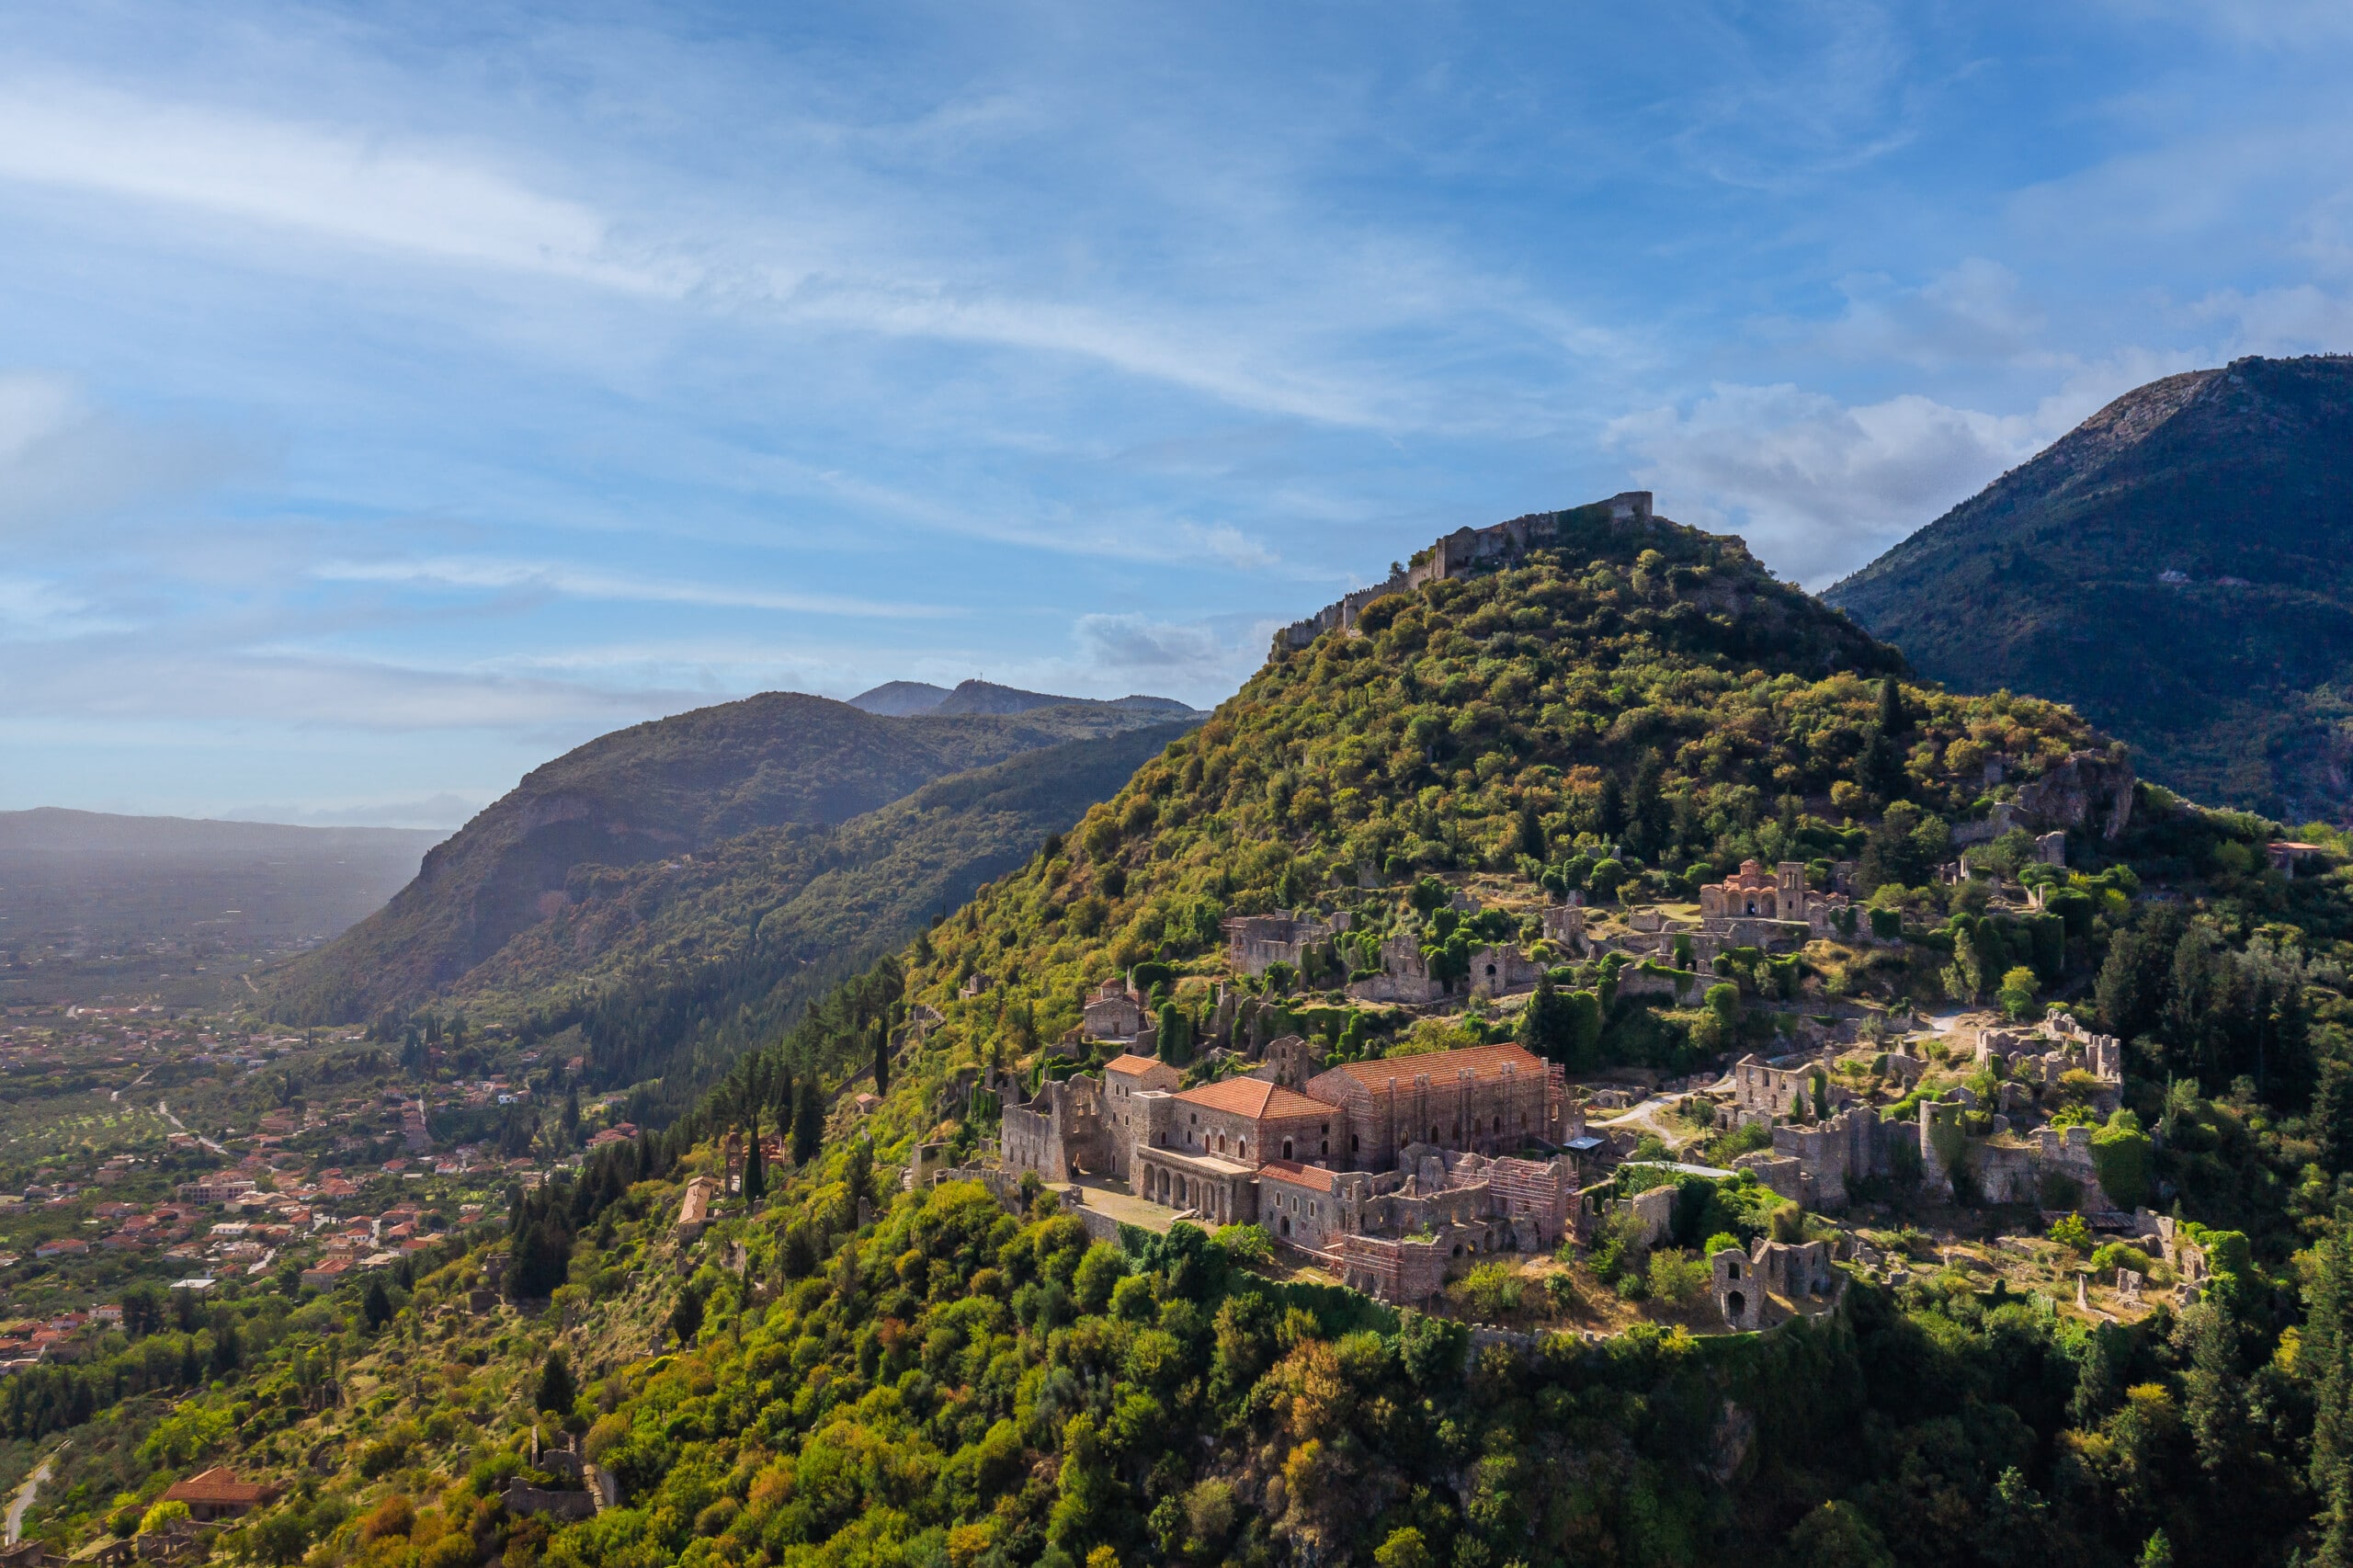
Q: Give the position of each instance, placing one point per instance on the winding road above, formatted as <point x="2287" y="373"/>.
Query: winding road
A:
<point x="164" y="1109"/>
<point x="24" y="1497"/>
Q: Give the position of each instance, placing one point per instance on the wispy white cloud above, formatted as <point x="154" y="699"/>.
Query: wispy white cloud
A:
<point x="555" y="578"/>
<point x="1975" y="313"/>
<point x="35" y="609"/>
<point x="61" y="460"/>
<point x="137" y="682"/>
<point x="1817" y="486"/>
<point x="2301" y="318"/>
<point x="328" y="181"/>
<point x="1201" y="661"/>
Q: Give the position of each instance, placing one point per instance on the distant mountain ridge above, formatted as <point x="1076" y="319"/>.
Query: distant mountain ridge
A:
<point x="905" y="699"/>
<point x="648" y="793"/>
<point x="59" y="830"/>
<point x="113" y="878"/>
<point x="696" y="958"/>
<point x="2176" y="568"/>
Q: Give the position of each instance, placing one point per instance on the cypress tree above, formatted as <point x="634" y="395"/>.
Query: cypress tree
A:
<point x="808" y="1126"/>
<point x="376" y="1305"/>
<point x="556" y="1391"/>
<point x="2325" y="1352"/>
<point x="755" y="1176"/>
<point x="1530" y="840"/>
<point x="881" y="1058"/>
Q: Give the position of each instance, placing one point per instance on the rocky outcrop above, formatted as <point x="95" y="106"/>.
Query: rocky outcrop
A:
<point x="2088" y="792"/>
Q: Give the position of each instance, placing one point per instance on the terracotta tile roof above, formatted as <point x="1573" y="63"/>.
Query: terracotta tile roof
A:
<point x="1254" y="1098"/>
<point x="219" y="1484"/>
<point x="1131" y="1064"/>
<point x="1300" y="1176"/>
<point x="1483" y="1062"/>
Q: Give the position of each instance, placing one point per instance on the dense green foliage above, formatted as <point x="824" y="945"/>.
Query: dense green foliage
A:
<point x="2228" y="683"/>
<point x="1647" y="688"/>
<point x="956" y="1384"/>
<point x="841" y="1372"/>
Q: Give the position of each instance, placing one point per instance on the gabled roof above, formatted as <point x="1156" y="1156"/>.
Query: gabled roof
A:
<point x="1132" y="1065"/>
<point x="1483" y="1061"/>
<point x="219" y="1484"/>
<point x="1298" y="1174"/>
<point x="1254" y="1098"/>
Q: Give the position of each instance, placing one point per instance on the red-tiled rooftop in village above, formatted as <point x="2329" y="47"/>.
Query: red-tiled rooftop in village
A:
<point x="1254" y="1098"/>
<point x="217" y="1486"/>
<point x="1298" y="1174"/>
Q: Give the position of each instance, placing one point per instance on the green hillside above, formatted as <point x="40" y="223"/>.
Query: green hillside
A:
<point x="645" y="795"/>
<point x="842" y="1363"/>
<point x="2175" y="569"/>
<point x="672" y="970"/>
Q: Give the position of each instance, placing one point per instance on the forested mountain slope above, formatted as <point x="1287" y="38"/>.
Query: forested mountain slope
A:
<point x="674" y="969"/>
<point x="838" y="1362"/>
<point x="2176" y="568"/>
<point x="644" y="794"/>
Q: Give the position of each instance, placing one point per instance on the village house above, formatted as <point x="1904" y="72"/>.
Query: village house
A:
<point x="217" y="1493"/>
<point x="1125" y="1077"/>
<point x="1113" y="1013"/>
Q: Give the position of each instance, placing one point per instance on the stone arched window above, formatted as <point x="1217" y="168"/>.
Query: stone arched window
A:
<point x="1286" y="1148"/>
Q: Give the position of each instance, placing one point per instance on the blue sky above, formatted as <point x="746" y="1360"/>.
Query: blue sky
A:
<point x="392" y="398"/>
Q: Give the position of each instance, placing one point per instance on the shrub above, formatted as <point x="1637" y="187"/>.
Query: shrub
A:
<point x="2072" y="1232"/>
<point x="2123" y="1255"/>
<point x="1675" y="1278"/>
<point x="1720" y="1241"/>
<point x="1490" y="1289"/>
<point x="2121" y="1154"/>
<point x="394" y="1516"/>
<point x="2016" y="994"/>
<point x="162" y="1513"/>
<point x="1246" y="1243"/>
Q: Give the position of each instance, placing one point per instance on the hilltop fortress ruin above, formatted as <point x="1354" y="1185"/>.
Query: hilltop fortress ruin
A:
<point x="1460" y="553"/>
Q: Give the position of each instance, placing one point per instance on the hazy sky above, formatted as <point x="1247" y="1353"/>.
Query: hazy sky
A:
<point x="393" y="397"/>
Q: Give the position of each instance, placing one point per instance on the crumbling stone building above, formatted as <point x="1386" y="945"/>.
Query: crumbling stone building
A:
<point x="1500" y="969"/>
<point x="1254" y="942"/>
<point x="1767" y="1088"/>
<point x="1763" y="1285"/>
<point x="1816" y="1162"/>
<point x="1457" y="554"/>
<point x="1113" y="1013"/>
<point x="1059" y="1133"/>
